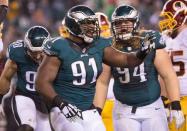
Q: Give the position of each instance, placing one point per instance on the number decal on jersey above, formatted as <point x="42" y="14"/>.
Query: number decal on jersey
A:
<point x="94" y="67"/>
<point x="179" y="64"/>
<point x="30" y="78"/>
<point x="125" y="72"/>
<point x="18" y="43"/>
<point x="79" y="71"/>
<point x="138" y="71"/>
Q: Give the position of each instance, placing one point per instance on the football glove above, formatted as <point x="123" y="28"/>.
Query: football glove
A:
<point x="99" y="110"/>
<point x="176" y="114"/>
<point x="71" y="112"/>
<point x="147" y="45"/>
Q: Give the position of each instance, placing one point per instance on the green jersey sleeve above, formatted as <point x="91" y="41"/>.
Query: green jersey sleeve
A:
<point x="16" y="50"/>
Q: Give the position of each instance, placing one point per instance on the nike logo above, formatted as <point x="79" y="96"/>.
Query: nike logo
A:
<point x="157" y="108"/>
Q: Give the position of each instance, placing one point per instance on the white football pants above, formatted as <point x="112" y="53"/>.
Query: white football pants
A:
<point x="151" y="117"/>
<point x="26" y="113"/>
<point x="92" y="121"/>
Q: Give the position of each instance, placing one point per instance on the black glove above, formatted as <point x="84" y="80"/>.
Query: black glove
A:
<point x="99" y="110"/>
<point x="71" y="112"/>
<point x="147" y="45"/>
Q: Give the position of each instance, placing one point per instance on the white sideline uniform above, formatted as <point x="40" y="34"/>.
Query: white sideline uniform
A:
<point x="92" y="121"/>
<point x="177" y="48"/>
<point x="151" y="117"/>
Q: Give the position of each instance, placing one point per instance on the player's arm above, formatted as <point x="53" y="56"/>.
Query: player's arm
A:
<point x="115" y="58"/>
<point x="6" y="76"/>
<point x="167" y="73"/>
<point x="102" y="88"/>
<point x="165" y="69"/>
<point x="3" y="9"/>
<point x="46" y="74"/>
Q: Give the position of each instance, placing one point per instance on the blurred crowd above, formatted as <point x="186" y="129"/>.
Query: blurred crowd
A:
<point x="49" y="13"/>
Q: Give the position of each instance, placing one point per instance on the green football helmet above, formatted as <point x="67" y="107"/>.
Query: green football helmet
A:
<point x="82" y="22"/>
<point x="121" y="16"/>
<point x="34" y="40"/>
<point x="35" y="37"/>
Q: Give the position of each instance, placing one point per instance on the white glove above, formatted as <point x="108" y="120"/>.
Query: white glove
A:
<point x="72" y="113"/>
<point x="178" y="116"/>
<point x="148" y="43"/>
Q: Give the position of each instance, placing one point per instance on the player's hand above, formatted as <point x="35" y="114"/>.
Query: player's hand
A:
<point x="148" y="43"/>
<point x="176" y="114"/>
<point x="99" y="110"/>
<point x="71" y="112"/>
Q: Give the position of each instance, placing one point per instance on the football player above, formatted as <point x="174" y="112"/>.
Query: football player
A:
<point x="138" y="106"/>
<point x="25" y="111"/>
<point x="74" y="64"/>
<point x="173" y="25"/>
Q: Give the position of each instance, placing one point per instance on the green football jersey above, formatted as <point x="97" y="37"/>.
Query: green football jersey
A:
<point x="26" y="73"/>
<point x="138" y="86"/>
<point x="79" y="69"/>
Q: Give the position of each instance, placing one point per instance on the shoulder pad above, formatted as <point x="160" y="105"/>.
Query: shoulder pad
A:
<point x="104" y="42"/>
<point x="54" y="46"/>
<point x="100" y="44"/>
<point x="16" y="49"/>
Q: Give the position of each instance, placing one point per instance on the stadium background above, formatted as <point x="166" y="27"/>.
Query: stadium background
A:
<point x="23" y="14"/>
<point x="49" y="13"/>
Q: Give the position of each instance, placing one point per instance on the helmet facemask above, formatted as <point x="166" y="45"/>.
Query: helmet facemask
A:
<point x="167" y="22"/>
<point x="123" y="29"/>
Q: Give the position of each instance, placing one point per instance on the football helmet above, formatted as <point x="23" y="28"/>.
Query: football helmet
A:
<point x="173" y="15"/>
<point x="104" y="24"/>
<point x="125" y="21"/>
<point x="34" y="40"/>
<point x="82" y="22"/>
